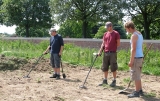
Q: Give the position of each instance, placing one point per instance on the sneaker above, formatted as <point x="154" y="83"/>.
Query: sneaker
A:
<point x="54" y="76"/>
<point x="141" y="93"/>
<point x="58" y="77"/>
<point x="104" y="82"/>
<point x="134" y="94"/>
<point x="113" y="84"/>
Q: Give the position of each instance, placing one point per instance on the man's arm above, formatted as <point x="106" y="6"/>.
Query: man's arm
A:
<point x="133" y="49"/>
<point x="101" y="49"/>
<point x="61" y="50"/>
<point x="118" y="42"/>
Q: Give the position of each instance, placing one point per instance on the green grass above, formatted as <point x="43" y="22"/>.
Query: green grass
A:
<point x="78" y="56"/>
<point x="152" y="94"/>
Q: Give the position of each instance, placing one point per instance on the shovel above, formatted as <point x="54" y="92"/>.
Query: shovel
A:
<point x="63" y="74"/>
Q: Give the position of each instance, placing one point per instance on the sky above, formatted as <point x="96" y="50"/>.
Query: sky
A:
<point x="11" y="30"/>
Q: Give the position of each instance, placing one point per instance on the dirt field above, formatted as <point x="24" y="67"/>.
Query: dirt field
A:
<point x="39" y="87"/>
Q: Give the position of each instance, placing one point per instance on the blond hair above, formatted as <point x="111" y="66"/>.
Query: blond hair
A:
<point x="129" y="24"/>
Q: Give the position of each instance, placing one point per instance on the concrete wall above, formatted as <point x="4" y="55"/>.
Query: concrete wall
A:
<point x="89" y="43"/>
<point x="96" y="43"/>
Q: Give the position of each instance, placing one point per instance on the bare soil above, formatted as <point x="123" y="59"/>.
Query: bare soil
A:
<point x="39" y="87"/>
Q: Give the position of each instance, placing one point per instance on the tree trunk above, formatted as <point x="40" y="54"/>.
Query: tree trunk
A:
<point x="147" y="31"/>
<point x="27" y="31"/>
<point x="84" y="29"/>
<point x="146" y="27"/>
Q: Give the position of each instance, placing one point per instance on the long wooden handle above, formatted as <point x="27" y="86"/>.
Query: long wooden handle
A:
<point x="148" y="50"/>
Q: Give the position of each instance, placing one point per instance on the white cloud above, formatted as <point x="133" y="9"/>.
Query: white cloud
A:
<point x="11" y="30"/>
<point x="8" y="30"/>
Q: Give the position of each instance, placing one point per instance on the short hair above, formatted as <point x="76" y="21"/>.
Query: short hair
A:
<point x="129" y="24"/>
<point x="108" y="24"/>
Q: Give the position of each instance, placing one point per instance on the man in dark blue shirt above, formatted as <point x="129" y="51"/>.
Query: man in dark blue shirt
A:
<point x="56" y="48"/>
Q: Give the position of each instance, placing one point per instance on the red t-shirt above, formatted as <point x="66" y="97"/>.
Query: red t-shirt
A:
<point x="110" y="41"/>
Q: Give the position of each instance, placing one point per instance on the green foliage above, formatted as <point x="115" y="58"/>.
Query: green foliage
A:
<point x="35" y="32"/>
<point x="85" y="11"/>
<point x="79" y="56"/>
<point x="27" y="14"/>
<point x="100" y="32"/>
<point x="128" y="35"/>
<point x="22" y="48"/>
<point x="120" y="30"/>
<point x="1" y="13"/>
<point x="71" y="29"/>
<point x="145" y="14"/>
<point x="117" y="27"/>
<point x="126" y="80"/>
<point x="123" y="59"/>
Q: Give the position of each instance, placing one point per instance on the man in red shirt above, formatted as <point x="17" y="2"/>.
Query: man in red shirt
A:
<point x="111" y="40"/>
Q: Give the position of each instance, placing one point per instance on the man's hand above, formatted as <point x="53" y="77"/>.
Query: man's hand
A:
<point x="60" y="53"/>
<point x="45" y="52"/>
<point x="130" y="64"/>
<point x="99" y="54"/>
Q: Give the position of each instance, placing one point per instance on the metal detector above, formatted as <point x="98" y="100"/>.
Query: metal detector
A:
<point x="27" y="76"/>
<point x="123" y="91"/>
<point x="82" y="86"/>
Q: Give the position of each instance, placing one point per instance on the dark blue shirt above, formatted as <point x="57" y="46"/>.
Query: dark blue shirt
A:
<point x="56" y="42"/>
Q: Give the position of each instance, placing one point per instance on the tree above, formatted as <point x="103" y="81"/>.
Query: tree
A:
<point x="118" y="27"/>
<point x="121" y="30"/>
<point x="145" y="12"/>
<point x="1" y="12"/>
<point x="38" y="32"/>
<point x="73" y="29"/>
<point x="70" y="29"/>
<point x="27" y="14"/>
<point x="85" y="11"/>
<point x="100" y="33"/>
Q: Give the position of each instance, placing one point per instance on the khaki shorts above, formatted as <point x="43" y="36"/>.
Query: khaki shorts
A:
<point x="109" y="59"/>
<point x="136" y="69"/>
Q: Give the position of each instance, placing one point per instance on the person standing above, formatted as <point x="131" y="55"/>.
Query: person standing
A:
<point x="55" y="48"/>
<point x="111" y="40"/>
<point x="136" y="58"/>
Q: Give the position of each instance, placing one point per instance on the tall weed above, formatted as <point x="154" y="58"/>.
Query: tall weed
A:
<point x="79" y="56"/>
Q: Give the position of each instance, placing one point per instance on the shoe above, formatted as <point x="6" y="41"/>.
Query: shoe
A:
<point x="58" y="77"/>
<point x="134" y="94"/>
<point x="104" y="82"/>
<point x="141" y="93"/>
<point x="54" y="76"/>
<point x="113" y="84"/>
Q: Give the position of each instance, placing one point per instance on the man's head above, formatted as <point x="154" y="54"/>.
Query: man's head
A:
<point x="108" y="26"/>
<point x="53" y="31"/>
<point x="129" y="26"/>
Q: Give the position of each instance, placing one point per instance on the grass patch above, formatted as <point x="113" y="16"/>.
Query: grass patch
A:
<point x="78" y="56"/>
<point x="126" y="80"/>
<point x="152" y="94"/>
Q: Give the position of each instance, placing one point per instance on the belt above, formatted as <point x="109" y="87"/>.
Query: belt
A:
<point x="138" y="57"/>
<point x="110" y="52"/>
